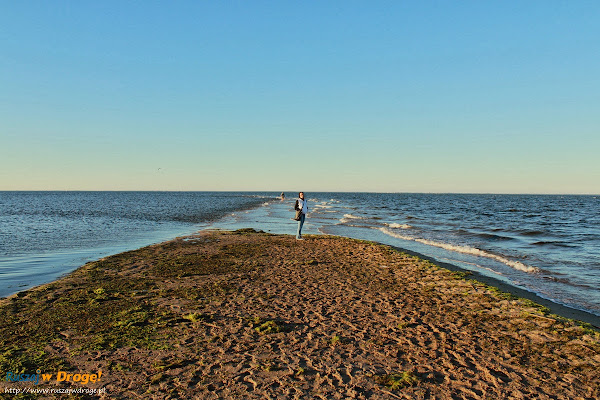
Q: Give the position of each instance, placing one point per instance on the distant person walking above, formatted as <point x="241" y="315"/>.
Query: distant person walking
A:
<point x="301" y="205"/>
<point x="282" y="196"/>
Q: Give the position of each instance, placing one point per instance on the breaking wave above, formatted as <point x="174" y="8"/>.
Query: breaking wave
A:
<point x="465" y="250"/>
<point x="399" y="226"/>
<point x="349" y="217"/>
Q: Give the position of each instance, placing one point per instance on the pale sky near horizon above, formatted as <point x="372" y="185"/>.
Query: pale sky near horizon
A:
<point x="389" y="96"/>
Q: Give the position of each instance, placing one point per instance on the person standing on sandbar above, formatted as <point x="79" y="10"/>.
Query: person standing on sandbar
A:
<point x="301" y="205"/>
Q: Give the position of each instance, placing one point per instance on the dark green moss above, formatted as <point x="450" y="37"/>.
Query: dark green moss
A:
<point x="397" y="380"/>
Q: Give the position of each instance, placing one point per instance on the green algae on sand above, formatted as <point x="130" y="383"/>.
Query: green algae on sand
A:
<point x="247" y="314"/>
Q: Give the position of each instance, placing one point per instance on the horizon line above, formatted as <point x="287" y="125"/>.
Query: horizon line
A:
<point x="290" y="191"/>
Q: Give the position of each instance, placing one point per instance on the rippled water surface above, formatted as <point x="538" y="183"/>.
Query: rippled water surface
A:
<point x="44" y="235"/>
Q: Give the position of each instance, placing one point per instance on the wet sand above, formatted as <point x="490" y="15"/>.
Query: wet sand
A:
<point x="243" y="315"/>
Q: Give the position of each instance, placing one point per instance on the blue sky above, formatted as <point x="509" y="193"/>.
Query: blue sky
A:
<point x="431" y="96"/>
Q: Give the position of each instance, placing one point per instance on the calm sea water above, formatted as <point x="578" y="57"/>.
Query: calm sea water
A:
<point x="549" y="245"/>
<point x="44" y="235"/>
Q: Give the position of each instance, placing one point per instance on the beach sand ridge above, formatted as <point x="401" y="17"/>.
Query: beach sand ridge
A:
<point x="243" y="315"/>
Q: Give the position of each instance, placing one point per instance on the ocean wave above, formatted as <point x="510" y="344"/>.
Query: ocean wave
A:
<point x="394" y="234"/>
<point x="566" y="281"/>
<point x="399" y="226"/>
<point x="491" y="236"/>
<point x="552" y="243"/>
<point x="257" y="196"/>
<point x="532" y="233"/>
<point x="349" y="217"/>
<point x="465" y="250"/>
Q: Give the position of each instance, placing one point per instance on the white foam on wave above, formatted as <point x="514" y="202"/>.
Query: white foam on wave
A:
<point x="349" y="217"/>
<point x="394" y="234"/>
<point x="465" y="250"/>
<point x="399" y="226"/>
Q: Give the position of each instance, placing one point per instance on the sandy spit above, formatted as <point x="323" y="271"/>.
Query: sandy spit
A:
<point x="249" y="315"/>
